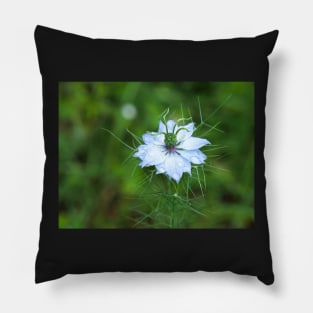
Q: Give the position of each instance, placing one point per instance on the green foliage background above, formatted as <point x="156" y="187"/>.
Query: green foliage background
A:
<point x="100" y="183"/>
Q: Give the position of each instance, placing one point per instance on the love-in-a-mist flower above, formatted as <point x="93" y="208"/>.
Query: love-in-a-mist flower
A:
<point x="172" y="149"/>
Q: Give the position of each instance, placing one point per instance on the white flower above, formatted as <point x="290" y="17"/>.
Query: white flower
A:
<point x="172" y="149"/>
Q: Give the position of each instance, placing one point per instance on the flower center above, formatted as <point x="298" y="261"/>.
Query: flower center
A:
<point x="170" y="142"/>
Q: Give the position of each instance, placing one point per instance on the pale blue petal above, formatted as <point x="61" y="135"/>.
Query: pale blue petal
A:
<point x="153" y="138"/>
<point x="193" y="156"/>
<point x="172" y="169"/>
<point x="193" y="143"/>
<point x="162" y="128"/>
<point x="174" y="166"/>
<point x="185" y="132"/>
<point x="185" y="164"/>
<point x="170" y="126"/>
<point x="160" y="168"/>
<point x="154" y="155"/>
<point x="141" y="153"/>
<point x="181" y="166"/>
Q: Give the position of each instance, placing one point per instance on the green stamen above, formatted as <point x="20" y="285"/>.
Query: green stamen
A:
<point x="170" y="141"/>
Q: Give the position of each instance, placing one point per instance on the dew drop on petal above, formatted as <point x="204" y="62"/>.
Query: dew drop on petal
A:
<point x="194" y="159"/>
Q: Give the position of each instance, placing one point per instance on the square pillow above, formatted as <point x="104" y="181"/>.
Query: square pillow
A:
<point x="154" y="155"/>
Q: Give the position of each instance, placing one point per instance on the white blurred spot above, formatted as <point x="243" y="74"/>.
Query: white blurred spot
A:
<point x="129" y="111"/>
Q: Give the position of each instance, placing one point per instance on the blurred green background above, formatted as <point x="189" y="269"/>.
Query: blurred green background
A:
<point x="100" y="183"/>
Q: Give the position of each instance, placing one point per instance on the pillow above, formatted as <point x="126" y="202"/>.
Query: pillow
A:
<point x="154" y="155"/>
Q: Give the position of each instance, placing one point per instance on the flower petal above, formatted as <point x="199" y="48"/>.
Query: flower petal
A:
<point x="153" y="138"/>
<point x="160" y="168"/>
<point x="193" y="143"/>
<point x="154" y="155"/>
<point x="141" y="153"/>
<point x="170" y="126"/>
<point x="185" y="164"/>
<point x="162" y="128"/>
<point x="185" y="132"/>
<point x="193" y="156"/>
<point x="174" y="166"/>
